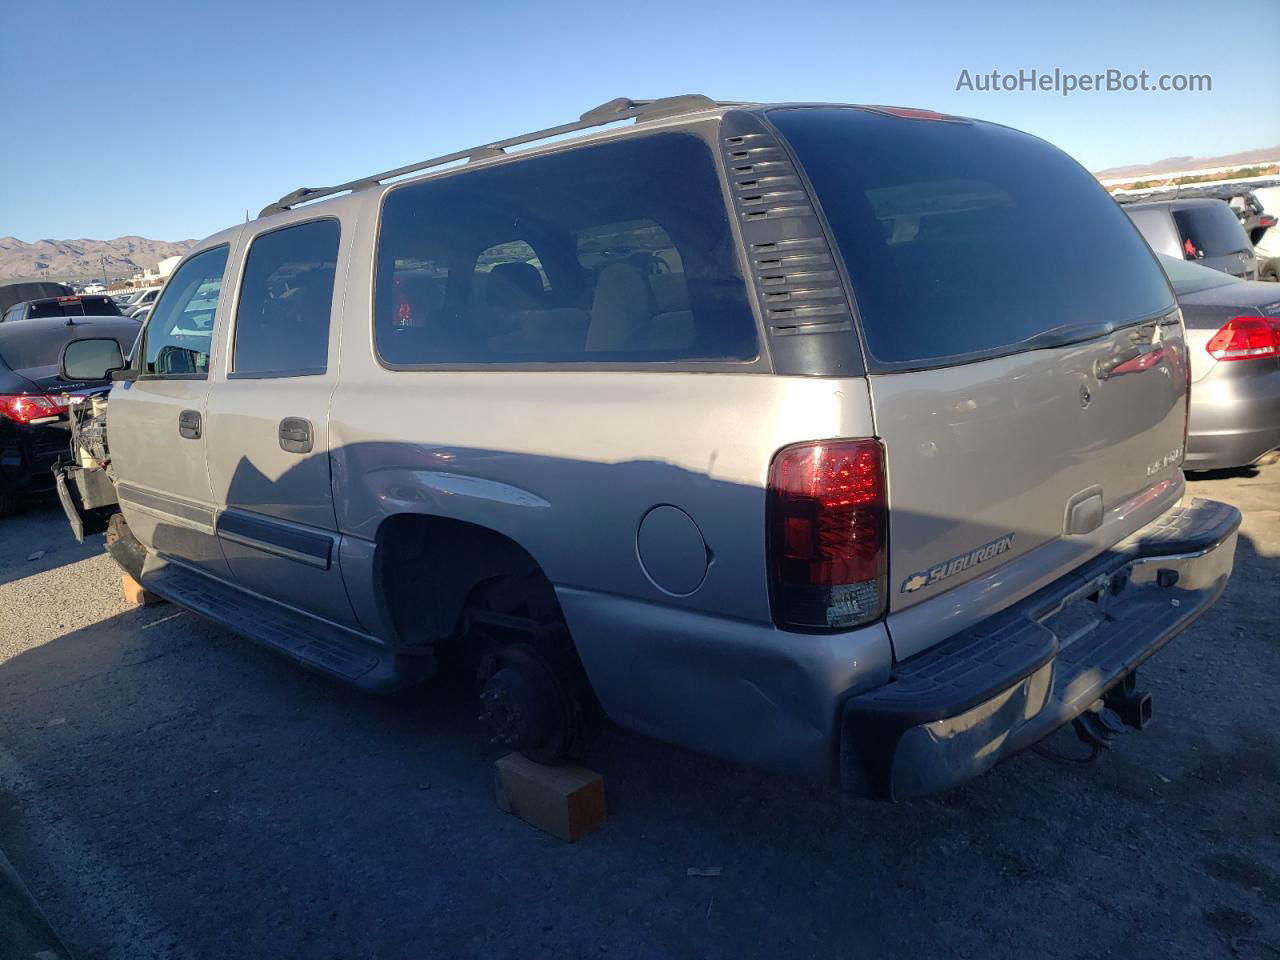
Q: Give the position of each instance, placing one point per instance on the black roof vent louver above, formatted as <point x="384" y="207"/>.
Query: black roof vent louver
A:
<point x="797" y="280"/>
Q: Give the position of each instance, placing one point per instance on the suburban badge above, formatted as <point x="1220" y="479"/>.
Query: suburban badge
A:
<point x="949" y="568"/>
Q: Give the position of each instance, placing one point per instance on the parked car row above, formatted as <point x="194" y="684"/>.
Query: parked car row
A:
<point x="133" y="301"/>
<point x="826" y="474"/>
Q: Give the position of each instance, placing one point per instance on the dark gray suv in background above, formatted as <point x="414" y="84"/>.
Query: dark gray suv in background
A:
<point x="1204" y="230"/>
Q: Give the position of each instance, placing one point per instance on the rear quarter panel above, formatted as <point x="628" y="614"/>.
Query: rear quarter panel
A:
<point x="569" y="464"/>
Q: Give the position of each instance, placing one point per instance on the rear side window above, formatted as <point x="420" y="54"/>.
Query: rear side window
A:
<point x="179" y="334"/>
<point x="962" y="240"/>
<point x="286" y="297"/>
<point x="84" y="306"/>
<point x="614" y="253"/>
<point x="1209" y="231"/>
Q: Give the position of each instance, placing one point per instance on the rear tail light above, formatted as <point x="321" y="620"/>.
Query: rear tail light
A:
<point x="30" y="407"/>
<point x="827" y="534"/>
<point x="1246" y="338"/>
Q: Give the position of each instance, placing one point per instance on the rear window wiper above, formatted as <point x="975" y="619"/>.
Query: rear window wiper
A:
<point x="1066" y="333"/>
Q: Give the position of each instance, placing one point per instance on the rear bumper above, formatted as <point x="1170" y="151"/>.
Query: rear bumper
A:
<point x="1234" y="421"/>
<point x="956" y="710"/>
<point x="27" y="453"/>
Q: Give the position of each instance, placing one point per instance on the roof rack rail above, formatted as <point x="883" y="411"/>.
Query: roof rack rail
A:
<point x="615" y="110"/>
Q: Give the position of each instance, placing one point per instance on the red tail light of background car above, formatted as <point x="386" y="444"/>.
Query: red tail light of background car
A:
<point x="31" y="407"/>
<point x="1246" y="338"/>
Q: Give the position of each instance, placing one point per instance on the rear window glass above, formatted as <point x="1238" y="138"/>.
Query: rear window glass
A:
<point x="614" y="253"/>
<point x="84" y="306"/>
<point x="32" y="347"/>
<point x="1209" y="231"/>
<point x="962" y="240"/>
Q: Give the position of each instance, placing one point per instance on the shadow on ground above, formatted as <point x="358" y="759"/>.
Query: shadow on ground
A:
<point x="207" y="794"/>
<point x="29" y="550"/>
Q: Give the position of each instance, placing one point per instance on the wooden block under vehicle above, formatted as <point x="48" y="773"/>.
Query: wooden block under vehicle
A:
<point x="565" y="801"/>
<point x="136" y="594"/>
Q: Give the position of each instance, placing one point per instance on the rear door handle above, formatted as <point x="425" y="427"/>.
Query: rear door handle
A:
<point x="295" y="435"/>
<point x="189" y="423"/>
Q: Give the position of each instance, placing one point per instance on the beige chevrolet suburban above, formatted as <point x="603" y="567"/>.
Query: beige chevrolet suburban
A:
<point x="756" y="428"/>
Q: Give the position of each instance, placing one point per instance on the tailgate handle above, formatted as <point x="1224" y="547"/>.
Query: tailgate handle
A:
<point x="295" y="435"/>
<point x="1134" y="360"/>
<point x="189" y="424"/>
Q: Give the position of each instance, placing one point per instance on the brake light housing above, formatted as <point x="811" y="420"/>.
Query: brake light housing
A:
<point x="1246" y="338"/>
<point x="31" y="407"/>
<point x="827" y="526"/>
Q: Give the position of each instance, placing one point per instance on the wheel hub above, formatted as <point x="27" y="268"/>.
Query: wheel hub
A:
<point x="519" y="704"/>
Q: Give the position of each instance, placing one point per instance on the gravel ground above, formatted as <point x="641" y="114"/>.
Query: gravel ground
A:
<point x="169" y="790"/>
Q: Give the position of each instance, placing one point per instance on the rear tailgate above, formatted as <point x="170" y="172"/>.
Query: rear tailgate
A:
<point x="1027" y="361"/>
<point x="1011" y="471"/>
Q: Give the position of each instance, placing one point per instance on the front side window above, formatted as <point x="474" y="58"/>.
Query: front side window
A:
<point x="617" y="253"/>
<point x="179" y="335"/>
<point x="286" y="297"/>
<point x="965" y="240"/>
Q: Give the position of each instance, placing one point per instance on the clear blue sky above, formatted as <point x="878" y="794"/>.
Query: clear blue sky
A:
<point x="191" y="112"/>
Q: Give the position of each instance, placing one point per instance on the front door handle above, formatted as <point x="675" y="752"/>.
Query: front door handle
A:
<point x="189" y="423"/>
<point x="295" y="435"/>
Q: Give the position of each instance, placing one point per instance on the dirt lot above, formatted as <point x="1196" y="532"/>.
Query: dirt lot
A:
<point x="169" y="790"/>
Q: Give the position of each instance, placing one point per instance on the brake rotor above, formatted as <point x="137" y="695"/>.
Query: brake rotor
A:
<point x="523" y="706"/>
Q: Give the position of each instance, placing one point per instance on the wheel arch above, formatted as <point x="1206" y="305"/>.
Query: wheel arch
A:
<point x="427" y="566"/>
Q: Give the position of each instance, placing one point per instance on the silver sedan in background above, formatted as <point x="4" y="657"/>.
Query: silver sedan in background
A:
<point x="1233" y="333"/>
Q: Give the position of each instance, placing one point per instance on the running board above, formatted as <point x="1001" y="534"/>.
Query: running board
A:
<point x="322" y="646"/>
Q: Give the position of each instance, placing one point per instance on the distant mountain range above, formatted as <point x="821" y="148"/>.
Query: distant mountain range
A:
<point x="69" y="259"/>
<point x="1179" y="164"/>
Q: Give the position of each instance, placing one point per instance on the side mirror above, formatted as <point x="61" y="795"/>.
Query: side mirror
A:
<point x="90" y="359"/>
